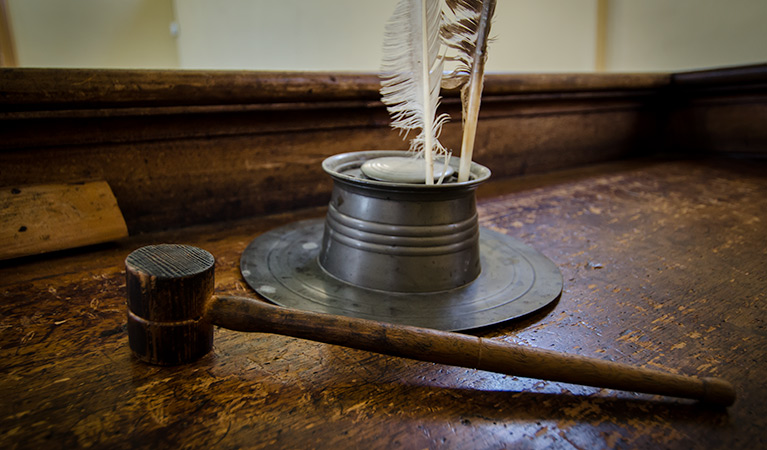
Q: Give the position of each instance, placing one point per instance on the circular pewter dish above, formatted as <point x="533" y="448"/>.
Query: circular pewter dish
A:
<point x="282" y="266"/>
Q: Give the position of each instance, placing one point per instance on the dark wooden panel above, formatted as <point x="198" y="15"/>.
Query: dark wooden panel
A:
<point x="196" y="147"/>
<point x="729" y="78"/>
<point x="182" y="148"/>
<point x="176" y="182"/>
<point x="722" y="110"/>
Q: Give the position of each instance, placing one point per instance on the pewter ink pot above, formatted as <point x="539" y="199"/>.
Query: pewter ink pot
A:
<point x="400" y="237"/>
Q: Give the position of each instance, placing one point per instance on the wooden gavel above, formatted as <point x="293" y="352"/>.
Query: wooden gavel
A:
<point x="172" y="311"/>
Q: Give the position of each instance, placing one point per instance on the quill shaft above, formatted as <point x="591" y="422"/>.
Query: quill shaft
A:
<point x="428" y="113"/>
<point x="473" y="94"/>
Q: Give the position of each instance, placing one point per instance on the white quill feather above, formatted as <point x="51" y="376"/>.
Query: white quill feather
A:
<point x="466" y="31"/>
<point x="411" y="73"/>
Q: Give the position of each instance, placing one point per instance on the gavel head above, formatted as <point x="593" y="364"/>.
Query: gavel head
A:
<point x="168" y="288"/>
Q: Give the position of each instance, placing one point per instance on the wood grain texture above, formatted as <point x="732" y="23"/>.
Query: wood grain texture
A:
<point x="35" y="89"/>
<point x="455" y="349"/>
<point x="168" y="286"/>
<point x="171" y="311"/>
<point x="191" y="147"/>
<point x="37" y="219"/>
<point x="46" y="89"/>
<point x="664" y="268"/>
<point x="182" y="148"/>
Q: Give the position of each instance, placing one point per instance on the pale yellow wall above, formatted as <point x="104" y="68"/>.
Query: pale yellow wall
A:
<point x="543" y="36"/>
<point x="281" y="35"/>
<point x="94" y="33"/>
<point x="674" y="35"/>
<point x="345" y="35"/>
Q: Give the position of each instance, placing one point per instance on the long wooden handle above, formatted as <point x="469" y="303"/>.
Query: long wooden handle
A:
<point x="457" y="349"/>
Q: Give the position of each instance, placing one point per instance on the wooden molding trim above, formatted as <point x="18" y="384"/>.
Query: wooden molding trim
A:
<point x="719" y="111"/>
<point x="751" y="75"/>
<point x="54" y="89"/>
<point x="186" y="147"/>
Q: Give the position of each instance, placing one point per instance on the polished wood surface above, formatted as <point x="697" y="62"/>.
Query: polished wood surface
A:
<point x="664" y="266"/>
<point x="455" y="349"/>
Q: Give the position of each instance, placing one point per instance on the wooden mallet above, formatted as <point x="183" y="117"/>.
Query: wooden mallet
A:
<point x="172" y="311"/>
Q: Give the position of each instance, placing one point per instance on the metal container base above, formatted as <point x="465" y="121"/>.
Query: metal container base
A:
<point x="282" y="266"/>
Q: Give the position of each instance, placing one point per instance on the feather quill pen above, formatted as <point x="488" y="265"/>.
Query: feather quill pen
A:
<point x="466" y="31"/>
<point x="411" y="73"/>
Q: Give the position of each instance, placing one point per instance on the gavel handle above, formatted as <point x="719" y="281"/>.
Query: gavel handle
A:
<point x="457" y="349"/>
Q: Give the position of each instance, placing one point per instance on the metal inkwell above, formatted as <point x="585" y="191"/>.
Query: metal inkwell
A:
<point x="406" y="252"/>
<point x="403" y="253"/>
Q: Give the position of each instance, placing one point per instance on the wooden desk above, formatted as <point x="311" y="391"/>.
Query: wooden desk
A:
<point x="665" y="266"/>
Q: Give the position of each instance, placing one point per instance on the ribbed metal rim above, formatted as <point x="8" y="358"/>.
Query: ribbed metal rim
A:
<point x="345" y="167"/>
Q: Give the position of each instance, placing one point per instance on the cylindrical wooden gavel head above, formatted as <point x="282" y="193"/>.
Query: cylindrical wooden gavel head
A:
<point x="168" y="287"/>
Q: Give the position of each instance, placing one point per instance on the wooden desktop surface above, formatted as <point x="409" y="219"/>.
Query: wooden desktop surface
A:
<point x="664" y="265"/>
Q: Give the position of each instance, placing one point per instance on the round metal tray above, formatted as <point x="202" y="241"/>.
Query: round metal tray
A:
<point x="281" y="265"/>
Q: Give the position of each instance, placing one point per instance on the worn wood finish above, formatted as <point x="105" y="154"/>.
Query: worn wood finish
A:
<point x="168" y="286"/>
<point x="36" y="219"/>
<point x="158" y="137"/>
<point x="171" y="313"/>
<point x="456" y="349"/>
<point x="181" y="148"/>
<point x="33" y="89"/>
<point x="664" y="268"/>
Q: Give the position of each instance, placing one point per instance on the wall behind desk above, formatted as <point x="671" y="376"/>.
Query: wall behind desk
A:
<point x="345" y="35"/>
